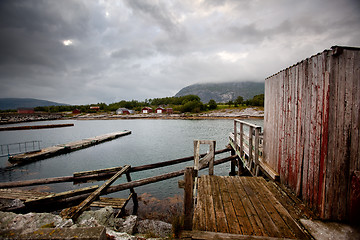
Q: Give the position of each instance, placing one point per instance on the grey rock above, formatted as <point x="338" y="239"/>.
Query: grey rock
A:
<point x="25" y="223"/>
<point x="120" y="235"/>
<point x="154" y="227"/>
<point x="104" y="216"/>
<point x="127" y="225"/>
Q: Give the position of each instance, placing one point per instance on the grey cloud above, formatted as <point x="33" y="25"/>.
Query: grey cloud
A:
<point x="147" y="49"/>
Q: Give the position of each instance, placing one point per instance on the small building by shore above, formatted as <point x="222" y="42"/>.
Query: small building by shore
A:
<point x="25" y="110"/>
<point x="146" y="110"/>
<point x="160" y="110"/>
<point x="124" y="111"/>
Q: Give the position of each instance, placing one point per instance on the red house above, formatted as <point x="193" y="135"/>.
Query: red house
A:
<point x="76" y="111"/>
<point x="160" y="110"/>
<point x="25" y="110"/>
<point x="146" y="110"/>
<point x="169" y="111"/>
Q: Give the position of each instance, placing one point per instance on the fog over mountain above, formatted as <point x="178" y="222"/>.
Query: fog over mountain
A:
<point x="223" y="92"/>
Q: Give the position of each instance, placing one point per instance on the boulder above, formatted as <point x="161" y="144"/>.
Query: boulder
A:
<point x="154" y="227"/>
<point x="127" y="225"/>
<point x="25" y="223"/>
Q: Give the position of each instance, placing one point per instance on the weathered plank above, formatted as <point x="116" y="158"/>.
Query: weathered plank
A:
<point x="209" y="205"/>
<point x="215" y="235"/>
<point x="106" y="173"/>
<point x="256" y="223"/>
<point x="221" y="216"/>
<point x="291" y="228"/>
<point x="188" y="197"/>
<point x="76" y="211"/>
<point x="239" y="208"/>
<point x="232" y="221"/>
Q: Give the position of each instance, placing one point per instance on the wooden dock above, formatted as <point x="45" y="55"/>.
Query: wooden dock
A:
<point x="28" y="196"/>
<point x="64" y="148"/>
<point x="32" y="127"/>
<point x="240" y="207"/>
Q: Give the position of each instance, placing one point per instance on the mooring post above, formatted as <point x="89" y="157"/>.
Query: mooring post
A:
<point x="134" y="195"/>
<point x="188" y="197"/>
<point x="233" y="164"/>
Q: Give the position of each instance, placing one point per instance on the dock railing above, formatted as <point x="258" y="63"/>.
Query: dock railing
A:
<point x="248" y="146"/>
<point x="247" y="142"/>
<point x="20" y="147"/>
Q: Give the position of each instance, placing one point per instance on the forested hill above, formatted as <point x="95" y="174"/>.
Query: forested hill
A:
<point x="223" y="92"/>
<point x="15" y="103"/>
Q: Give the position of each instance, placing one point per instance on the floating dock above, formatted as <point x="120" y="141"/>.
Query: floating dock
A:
<point x="64" y="148"/>
<point x="36" y="127"/>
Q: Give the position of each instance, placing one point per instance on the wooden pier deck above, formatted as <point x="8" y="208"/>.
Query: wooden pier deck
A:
<point x="64" y="148"/>
<point x="242" y="208"/>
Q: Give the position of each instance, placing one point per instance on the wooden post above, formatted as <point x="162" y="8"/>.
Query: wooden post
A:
<point x="212" y="154"/>
<point x="241" y="139"/>
<point x="196" y="154"/>
<point x="133" y="195"/>
<point x="235" y="136"/>
<point x="233" y="164"/>
<point x="188" y="197"/>
<point x="257" y="132"/>
<point x="250" y="147"/>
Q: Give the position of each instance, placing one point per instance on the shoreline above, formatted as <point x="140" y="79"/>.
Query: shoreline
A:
<point x="247" y="113"/>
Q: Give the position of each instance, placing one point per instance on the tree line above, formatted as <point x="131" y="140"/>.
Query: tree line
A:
<point x="188" y="103"/>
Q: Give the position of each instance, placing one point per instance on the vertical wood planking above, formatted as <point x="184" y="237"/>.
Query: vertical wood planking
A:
<point x="299" y="118"/>
<point x="333" y="89"/>
<point x="281" y="126"/>
<point x="345" y="187"/>
<point x="354" y="158"/>
<point x="324" y="136"/>
<point x="311" y="128"/>
<point x="306" y="127"/>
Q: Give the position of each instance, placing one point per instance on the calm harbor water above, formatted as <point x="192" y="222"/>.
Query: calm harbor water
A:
<point x="151" y="141"/>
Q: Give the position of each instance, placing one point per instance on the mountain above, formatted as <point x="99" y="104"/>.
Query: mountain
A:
<point x="223" y="92"/>
<point x="15" y="103"/>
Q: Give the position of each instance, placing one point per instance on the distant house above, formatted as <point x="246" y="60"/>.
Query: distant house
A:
<point x="25" y="110"/>
<point x="147" y="110"/>
<point x="160" y="110"/>
<point x="96" y="108"/>
<point x="169" y="110"/>
<point x="123" y="111"/>
<point x="76" y="111"/>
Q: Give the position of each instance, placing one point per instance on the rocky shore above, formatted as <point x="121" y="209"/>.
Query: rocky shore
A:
<point x="13" y="226"/>
<point x="6" y="118"/>
<point x="215" y="114"/>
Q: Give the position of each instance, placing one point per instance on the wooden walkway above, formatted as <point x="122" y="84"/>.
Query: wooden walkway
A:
<point x="245" y="206"/>
<point x="27" y="195"/>
<point x="64" y="148"/>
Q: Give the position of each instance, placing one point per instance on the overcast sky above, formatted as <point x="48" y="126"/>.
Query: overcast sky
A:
<point x="90" y="51"/>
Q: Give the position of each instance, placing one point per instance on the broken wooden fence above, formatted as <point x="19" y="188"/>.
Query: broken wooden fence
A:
<point x="71" y="198"/>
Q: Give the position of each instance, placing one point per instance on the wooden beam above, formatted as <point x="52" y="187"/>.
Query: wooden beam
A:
<point x="188" y="197"/>
<point x="55" y="202"/>
<point x="76" y="211"/>
<point x="56" y="196"/>
<point x="217" y="235"/>
<point x="84" y="177"/>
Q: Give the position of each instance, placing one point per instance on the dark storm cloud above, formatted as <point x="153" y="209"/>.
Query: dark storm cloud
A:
<point x="83" y="51"/>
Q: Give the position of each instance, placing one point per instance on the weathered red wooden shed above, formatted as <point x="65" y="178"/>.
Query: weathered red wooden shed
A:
<point x="311" y="131"/>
